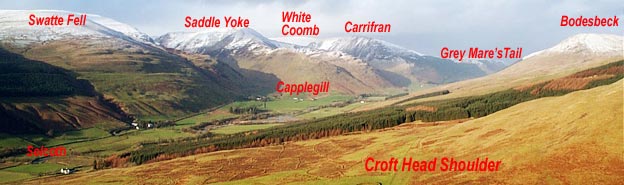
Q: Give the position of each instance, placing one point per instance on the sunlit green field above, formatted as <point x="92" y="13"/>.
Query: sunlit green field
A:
<point x="8" y="141"/>
<point x="28" y="171"/>
<point x="97" y="143"/>
<point x="233" y="129"/>
<point x="287" y="104"/>
<point x="101" y="145"/>
<point x="330" y="111"/>
<point x="205" y="117"/>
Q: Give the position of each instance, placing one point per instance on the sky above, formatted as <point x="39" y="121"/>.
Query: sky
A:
<point x="423" y="26"/>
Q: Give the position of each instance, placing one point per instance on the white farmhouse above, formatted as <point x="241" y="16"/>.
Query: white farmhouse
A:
<point x="66" y="171"/>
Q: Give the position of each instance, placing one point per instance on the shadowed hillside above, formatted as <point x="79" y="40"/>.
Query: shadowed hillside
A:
<point x="41" y="98"/>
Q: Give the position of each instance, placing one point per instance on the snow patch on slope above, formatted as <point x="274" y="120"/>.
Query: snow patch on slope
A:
<point x="359" y="42"/>
<point x="14" y="27"/>
<point x="216" y="38"/>
<point x="586" y="43"/>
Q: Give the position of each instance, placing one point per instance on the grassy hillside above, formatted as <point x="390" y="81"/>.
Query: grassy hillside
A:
<point x="533" y="70"/>
<point x="145" y="81"/>
<point x="439" y="110"/>
<point x="344" y="75"/>
<point x="20" y="77"/>
<point x="569" y="139"/>
<point x="233" y="129"/>
<point x="151" y="146"/>
<point x="39" y="98"/>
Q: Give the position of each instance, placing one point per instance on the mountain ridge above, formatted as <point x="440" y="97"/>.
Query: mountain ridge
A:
<point x="126" y="66"/>
<point x="397" y="65"/>
<point x="355" y="64"/>
<point x="541" y="66"/>
<point x="587" y="43"/>
<point x="97" y="26"/>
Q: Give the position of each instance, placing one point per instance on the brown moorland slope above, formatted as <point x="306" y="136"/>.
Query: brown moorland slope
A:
<point x="575" y="138"/>
<point x="569" y="56"/>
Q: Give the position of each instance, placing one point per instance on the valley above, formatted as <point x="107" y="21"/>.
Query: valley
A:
<point x="231" y="106"/>
<point x="165" y="135"/>
<point x="340" y="159"/>
<point x="89" y="144"/>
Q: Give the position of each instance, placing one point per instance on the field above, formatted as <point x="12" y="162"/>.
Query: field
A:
<point x="286" y="104"/>
<point x="83" y="147"/>
<point x="68" y="137"/>
<point x="28" y="171"/>
<point x="96" y="142"/>
<point x="8" y="141"/>
<point x="205" y="117"/>
<point x="94" y="139"/>
<point x="8" y="176"/>
<point x="549" y="140"/>
<point x="330" y="111"/>
<point x="233" y="129"/>
<point x="116" y="144"/>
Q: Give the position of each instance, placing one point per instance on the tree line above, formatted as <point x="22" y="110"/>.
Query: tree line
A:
<point x="244" y="110"/>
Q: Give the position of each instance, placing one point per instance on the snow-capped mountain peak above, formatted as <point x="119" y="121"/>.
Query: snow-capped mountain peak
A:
<point x="363" y="47"/>
<point x="217" y="38"/>
<point x="587" y="43"/>
<point x="14" y="26"/>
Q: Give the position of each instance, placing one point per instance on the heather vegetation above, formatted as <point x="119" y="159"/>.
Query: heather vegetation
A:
<point x="458" y="108"/>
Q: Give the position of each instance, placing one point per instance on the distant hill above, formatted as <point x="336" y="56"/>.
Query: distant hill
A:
<point x="394" y="59"/>
<point x="576" y="53"/>
<point x="247" y="50"/>
<point x="356" y="64"/>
